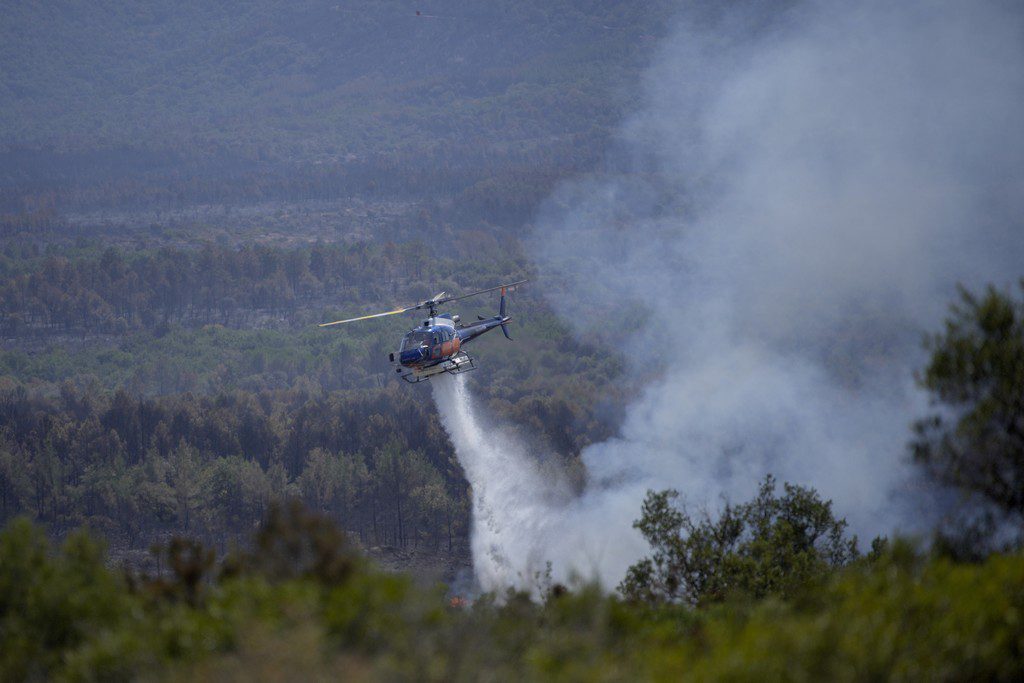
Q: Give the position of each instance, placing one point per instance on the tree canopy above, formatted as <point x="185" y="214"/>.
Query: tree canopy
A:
<point x="770" y="545"/>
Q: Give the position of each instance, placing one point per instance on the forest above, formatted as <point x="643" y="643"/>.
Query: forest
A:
<point x="239" y="512"/>
<point x="162" y="276"/>
<point x="197" y="482"/>
<point x="137" y="417"/>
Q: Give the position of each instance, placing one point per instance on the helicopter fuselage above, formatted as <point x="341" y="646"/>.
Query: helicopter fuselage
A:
<point x="439" y="340"/>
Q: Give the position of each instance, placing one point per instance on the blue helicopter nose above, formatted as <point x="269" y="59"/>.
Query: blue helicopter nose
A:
<point x="411" y="356"/>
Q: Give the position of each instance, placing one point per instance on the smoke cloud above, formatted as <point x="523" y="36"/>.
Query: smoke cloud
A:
<point x="787" y="213"/>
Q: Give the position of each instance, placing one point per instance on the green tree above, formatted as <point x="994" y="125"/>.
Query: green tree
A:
<point x="186" y="479"/>
<point x="770" y="545"/>
<point x="15" y="483"/>
<point x="975" y="438"/>
<point x="321" y="479"/>
<point x="52" y="603"/>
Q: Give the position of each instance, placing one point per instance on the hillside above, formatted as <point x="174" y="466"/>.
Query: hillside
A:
<point x="215" y="91"/>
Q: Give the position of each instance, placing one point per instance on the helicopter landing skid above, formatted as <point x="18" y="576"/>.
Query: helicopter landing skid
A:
<point x="456" y="365"/>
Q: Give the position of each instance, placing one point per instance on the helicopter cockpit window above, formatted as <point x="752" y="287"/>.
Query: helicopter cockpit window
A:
<point x="414" y="340"/>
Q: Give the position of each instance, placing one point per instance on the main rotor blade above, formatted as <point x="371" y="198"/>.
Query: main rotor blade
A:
<point x="366" y="317"/>
<point x="482" y="291"/>
<point x="436" y="301"/>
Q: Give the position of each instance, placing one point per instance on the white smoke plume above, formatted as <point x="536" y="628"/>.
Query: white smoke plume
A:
<point x="525" y="520"/>
<point x="791" y="209"/>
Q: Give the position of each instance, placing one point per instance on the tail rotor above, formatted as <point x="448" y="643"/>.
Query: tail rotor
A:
<point x="502" y="308"/>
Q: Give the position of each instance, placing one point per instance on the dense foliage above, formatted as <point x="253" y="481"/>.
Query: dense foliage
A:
<point x="139" y="400"/>
<point x="137" y="468"/>
<point x="304" y="605"/>
<point x="250" y="286"/>
<point x="142" y="418"/>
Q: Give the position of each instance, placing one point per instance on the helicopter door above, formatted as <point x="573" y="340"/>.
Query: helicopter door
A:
<point x="446" y="342"/>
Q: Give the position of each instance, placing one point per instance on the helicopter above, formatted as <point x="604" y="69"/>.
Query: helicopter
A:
<point x="435" y="347"/>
